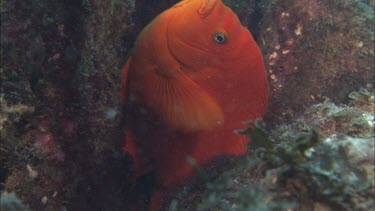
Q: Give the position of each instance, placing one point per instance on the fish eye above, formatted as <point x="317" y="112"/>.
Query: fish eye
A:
<point x="220" y="38"/>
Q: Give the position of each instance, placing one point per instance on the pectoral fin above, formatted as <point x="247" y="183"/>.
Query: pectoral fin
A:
<point x="139" y="162"/>
<point x="181" y="102"/>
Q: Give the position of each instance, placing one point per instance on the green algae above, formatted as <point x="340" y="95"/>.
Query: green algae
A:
<point x="308" y="172"/>
<point x="324" y="170"/>
<point x="10" y="202"/>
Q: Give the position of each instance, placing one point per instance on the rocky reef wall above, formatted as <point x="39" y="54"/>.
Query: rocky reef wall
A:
<point x="60" y="119"/>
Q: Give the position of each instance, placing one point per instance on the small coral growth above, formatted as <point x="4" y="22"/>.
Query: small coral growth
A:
<point x="336" y="172"/>
<point x="306" y="173"/>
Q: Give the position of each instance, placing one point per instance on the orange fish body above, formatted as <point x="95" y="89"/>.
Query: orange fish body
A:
<point x="194" y="76"/>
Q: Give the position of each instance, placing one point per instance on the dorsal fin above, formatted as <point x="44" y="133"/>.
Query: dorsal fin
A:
<point x="206" y="7"/>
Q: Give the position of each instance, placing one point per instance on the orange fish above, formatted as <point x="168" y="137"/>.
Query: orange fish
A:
<point x="194" y="76"/>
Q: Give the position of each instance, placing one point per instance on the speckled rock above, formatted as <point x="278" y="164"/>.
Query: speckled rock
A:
<point x="59" y="100"/>
<point x="315" y="49"/>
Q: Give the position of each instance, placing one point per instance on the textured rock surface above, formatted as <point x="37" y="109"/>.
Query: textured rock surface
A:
<point x="316" y="49"/>
<point x="59" y="102"/>
<point x="60" y="77"/>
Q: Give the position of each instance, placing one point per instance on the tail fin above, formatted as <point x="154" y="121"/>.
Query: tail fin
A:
<point x="124" y="79"/>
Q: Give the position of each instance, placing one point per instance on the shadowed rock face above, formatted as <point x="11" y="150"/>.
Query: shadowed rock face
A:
<point x="39" y="54"/>
<point x="59" y="82"/>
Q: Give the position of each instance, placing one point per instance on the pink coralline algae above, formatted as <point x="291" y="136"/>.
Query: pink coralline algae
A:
<point x="45" y="142"/>
<point x="69" y="127"/>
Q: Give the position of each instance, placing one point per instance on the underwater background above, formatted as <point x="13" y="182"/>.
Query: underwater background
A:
<point x="61" y="126"/>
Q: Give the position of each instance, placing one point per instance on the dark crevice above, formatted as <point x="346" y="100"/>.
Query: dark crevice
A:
<point x="256" y="18"/>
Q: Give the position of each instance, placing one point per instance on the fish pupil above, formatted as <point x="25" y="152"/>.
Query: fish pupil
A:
<point x="220" y="38"/>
